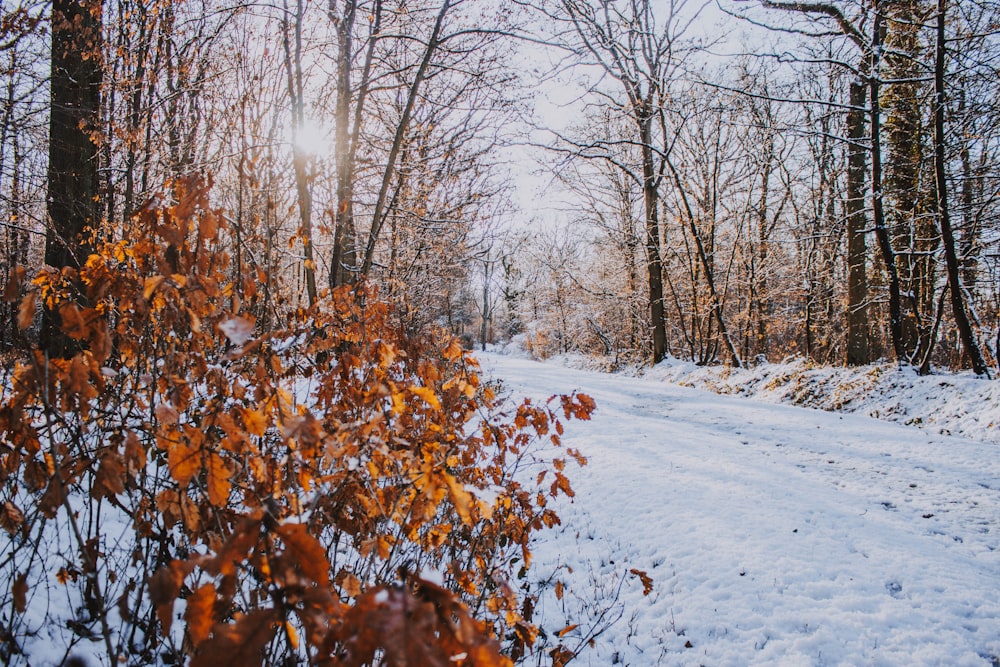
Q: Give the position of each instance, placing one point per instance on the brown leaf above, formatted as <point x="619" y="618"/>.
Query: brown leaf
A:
<point x="208" y="225"/>
<point x="11" y="517"/>
<point x="200" y="613"/>
<point x="239" y="644"/>
<point x="166" y="413"/>
<point x="135" y="453"/>
<point x="647" y="581"/>
<point x="306" y="551"/>
<point x="110" y="478"/>
<point x="184" y="461"/>
<point x="71" y="320"/>
<point x="164" y="586"/>
<point x="235" y="550"/>
<point x="217" y="480"/>
<point x="20" y="591"/>
<point x="13" y="286"/>
<point x="26" y="311"/>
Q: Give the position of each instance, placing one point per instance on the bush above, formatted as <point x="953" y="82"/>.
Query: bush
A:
<point x="337" y="491"/>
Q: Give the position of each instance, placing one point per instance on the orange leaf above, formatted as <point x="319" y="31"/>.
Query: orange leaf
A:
<point x="453" y="351"/>
<point x="208" y="225"/>
<point x="461" y="498"/>
<point x="307" y="551"/>
<point x="647" y="581"/>
<point x="254" y="421"/>
<point x="26" y="311"/>
<point x="235" y="550"/>
<point x="71" y="320"/>
<point x="568" y="629"/>
<point x="351" y="585"/>
<point x="184" y="462"/>
<point x="200" y="613"/>
<point x="150" y="284"/>
<point x="427" y="394"/>
<point x="217" y="479"/>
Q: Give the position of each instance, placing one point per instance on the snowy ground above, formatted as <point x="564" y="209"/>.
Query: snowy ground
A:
<point x="775" y="535"/>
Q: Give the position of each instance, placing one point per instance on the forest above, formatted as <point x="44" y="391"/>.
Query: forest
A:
<point x="249" y="246"/>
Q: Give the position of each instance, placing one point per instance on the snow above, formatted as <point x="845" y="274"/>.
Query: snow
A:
<point x="774" y="534"/>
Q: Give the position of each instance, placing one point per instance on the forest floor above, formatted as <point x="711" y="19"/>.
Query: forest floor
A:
<point x="774" y="534"/>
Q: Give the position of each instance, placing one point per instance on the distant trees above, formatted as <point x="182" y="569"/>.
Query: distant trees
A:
<point x="785" y="201"/>
<point x="750" y="175"/>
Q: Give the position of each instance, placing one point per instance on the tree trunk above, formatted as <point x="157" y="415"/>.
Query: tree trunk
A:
<point x="293" y="70"/>
<point x="654" y="261"/>
<point x="959" y="312"/>
<point x="881" y="231"/>
<point x="73" y="181"/>
<point x="857" y="269"/>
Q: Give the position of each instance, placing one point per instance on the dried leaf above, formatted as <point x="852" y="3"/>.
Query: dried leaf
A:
<point x="200" y="613"/>
<point x="208" y="225"/>
<point x="164" y="587"/>
<point x="647" y="581"/>
<point x="239" y="644"/>
<point x="184" y="461"/>
<point x="135" y="453"/>
<point x="11" y="518"/>
<point x="217" y="480"/>
<point x="235" y="550"/>
<point x="13" y="286"/>
<point x="428" y="395"/>
<point x="568" y="629"/>
<point x="149" y="285"/>
<point x="110" y="478"/>
<point x="351" y="585"/>
<point x="167" y="414"/>
<point x="254" y="421"/>
<point x="461" y="498"/>
<point x="20" y="591"/>
<point x="26" y="311"/>
<point x="306" y="550"/>
<point x="71" y="321"/>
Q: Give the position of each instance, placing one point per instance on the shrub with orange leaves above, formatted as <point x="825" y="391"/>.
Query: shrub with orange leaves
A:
<point x="187" y="486"/>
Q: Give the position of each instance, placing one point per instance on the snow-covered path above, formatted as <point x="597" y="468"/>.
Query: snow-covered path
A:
<point x="775" y="535"/>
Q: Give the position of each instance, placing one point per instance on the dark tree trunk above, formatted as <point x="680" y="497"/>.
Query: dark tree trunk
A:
<point x="654" y="261"/>
<point x="959" y="311"/>
<point x="74" y="116"/>
<point x="857" y="269"/>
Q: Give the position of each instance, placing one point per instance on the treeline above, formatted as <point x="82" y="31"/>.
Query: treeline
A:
<point x="824" y="185"/>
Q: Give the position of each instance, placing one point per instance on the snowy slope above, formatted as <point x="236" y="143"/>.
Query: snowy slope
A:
<point x="775" y="535"/>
